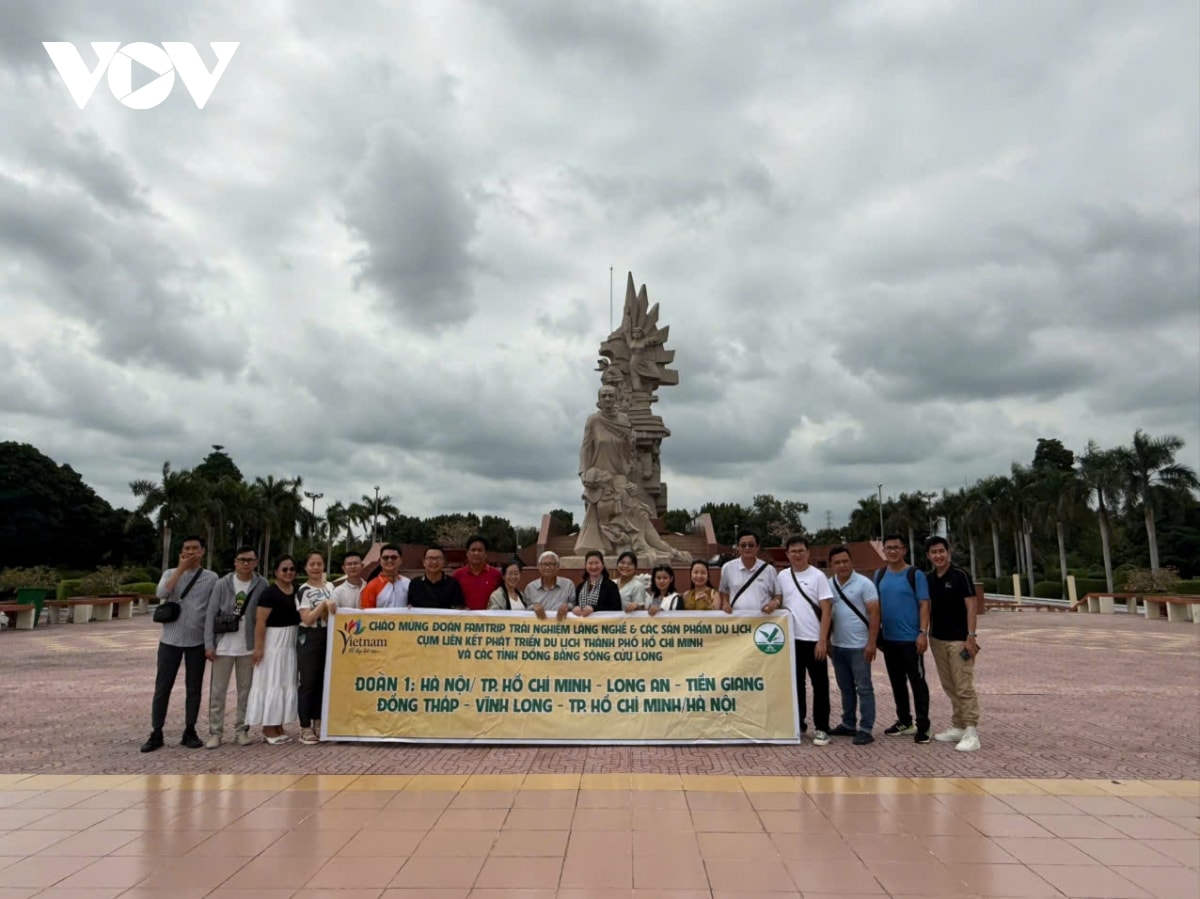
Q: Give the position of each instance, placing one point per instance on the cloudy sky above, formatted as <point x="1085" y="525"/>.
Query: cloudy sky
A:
<point x="894" y="241"/>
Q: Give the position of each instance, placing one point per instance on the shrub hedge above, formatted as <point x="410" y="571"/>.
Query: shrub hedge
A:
<point x="141" y="588"/>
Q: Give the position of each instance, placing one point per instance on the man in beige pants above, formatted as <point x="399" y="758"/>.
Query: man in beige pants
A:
<point x="952" y="643"/>
<point x="235" y="594"/>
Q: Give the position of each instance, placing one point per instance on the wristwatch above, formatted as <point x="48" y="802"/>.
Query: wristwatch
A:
<point x="924" y="633"/>
<point x="971" y="634"/>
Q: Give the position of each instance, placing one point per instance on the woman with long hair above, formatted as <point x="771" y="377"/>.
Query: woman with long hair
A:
<point x="273" y="701"/>
<point x="663" y="597"/>
<point x="314" y="600"/>
<point x="596" y="591"/>
<point x="702" y="596"/>
<point x="508" y="595"/>
<point x="629" y="585"/>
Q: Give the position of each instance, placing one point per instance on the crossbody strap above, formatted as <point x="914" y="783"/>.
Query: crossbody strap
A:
<point x="853" y="607"/>
<point x="742" y="589"/>
<point x="816" y="609"/>
<point x="190" y="585"/>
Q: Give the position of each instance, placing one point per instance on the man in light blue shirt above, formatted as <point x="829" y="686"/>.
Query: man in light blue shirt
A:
<point x="904" y="609"/>
<point x="855" y="614"/>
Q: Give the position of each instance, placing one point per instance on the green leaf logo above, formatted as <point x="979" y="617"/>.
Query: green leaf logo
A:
<point x="769" y="638"/>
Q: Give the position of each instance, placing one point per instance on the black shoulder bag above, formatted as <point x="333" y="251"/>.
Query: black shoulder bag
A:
<point x="169" y="609"/>
<point x="742" y="589"/>
<point x="229" y="622"/>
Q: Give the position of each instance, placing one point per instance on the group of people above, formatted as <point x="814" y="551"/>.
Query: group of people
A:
<point x="273" y="638"/>
<point x="270" y="636"/>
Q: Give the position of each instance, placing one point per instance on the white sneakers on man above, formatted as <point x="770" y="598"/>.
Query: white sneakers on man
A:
<point x="970" y="740"/>
<point x="952" y="735"/>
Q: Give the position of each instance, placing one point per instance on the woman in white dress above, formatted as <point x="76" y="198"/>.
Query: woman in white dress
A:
<point x="272" y="700"/>
<point x="508" y="595"/>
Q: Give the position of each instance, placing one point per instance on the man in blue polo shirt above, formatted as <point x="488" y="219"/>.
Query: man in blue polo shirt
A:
<point x="904" y="609"/>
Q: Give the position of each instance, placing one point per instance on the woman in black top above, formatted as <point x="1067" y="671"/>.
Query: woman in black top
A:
<point x="596" y="591"/>
<point x="272" y="700"/>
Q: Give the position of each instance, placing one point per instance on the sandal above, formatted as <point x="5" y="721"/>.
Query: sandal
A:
<point x="309" y="737"/>
<point x="278" y="740"/>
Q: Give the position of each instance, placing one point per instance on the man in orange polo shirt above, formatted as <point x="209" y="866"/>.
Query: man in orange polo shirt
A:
<point x="390" y="589"/>
<point x="477" y="578"/>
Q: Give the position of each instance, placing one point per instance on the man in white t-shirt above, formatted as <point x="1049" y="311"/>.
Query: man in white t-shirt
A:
<point x="808" y="599"/>
<point x="231" y="652"/>
<point x="748" y="584"/>
<point x="347" y="593"/>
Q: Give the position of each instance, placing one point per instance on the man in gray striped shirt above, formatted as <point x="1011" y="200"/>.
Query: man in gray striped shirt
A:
<point x="189" y="585"/>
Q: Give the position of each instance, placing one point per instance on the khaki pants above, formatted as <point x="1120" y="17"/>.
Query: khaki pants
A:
<point x="218" y="687"/>
<point x="958" y="680"/>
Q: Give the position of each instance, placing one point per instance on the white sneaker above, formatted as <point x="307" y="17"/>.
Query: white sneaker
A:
<point x="213" y="741"/>
<point x="970" y="741"/>
<point x="952" y="735"/>
<point x="820" y="738"/>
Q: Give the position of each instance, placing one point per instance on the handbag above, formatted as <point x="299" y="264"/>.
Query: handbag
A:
<point x="229" y="622"/>
<point x="169" y="610"/>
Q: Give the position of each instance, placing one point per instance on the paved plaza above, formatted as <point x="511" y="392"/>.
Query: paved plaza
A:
<point x="1088" y="785"/>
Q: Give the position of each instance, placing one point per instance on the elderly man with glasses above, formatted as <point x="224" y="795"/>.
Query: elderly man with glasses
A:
<point x="549" y="593"/>
<point x="389" y="590"/>
<point x="232" y="650"/>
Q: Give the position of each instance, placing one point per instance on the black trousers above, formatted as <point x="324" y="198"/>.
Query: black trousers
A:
<point x="169" y="658"/>
<point x="906" y="666"/>
<point x="818" y="673"/>
<point x="310" y="664"/>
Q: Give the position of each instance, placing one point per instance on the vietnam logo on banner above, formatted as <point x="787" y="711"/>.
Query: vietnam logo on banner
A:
<point x="507" y="677"/>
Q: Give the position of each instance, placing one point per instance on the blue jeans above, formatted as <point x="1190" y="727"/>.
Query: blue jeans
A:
<point x="853" y="673"/>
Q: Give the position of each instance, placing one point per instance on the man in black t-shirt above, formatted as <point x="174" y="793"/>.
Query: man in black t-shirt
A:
<point x="952" y="643"/>
<point x="434" y="590"/>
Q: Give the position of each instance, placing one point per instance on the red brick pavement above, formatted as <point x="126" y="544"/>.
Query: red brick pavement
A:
<point x="1081" y="696"/>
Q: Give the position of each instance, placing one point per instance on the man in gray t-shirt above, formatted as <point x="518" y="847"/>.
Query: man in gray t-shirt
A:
<point x="189" y="585"/>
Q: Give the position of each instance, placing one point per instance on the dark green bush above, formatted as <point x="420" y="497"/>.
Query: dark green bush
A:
<point x="141" y="588"/>
<point x="1188" y="588"/>
<point x="1048" y="590"/>
<point x="69" y="587"/>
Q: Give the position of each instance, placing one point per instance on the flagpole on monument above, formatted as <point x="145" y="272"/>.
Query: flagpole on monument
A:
<point x="610" y="298"/>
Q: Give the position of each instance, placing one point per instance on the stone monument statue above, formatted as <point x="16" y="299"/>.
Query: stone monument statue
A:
<point x="619" y="458"/>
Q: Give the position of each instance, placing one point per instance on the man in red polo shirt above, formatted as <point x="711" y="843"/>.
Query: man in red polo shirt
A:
<point x="477" y="578"/>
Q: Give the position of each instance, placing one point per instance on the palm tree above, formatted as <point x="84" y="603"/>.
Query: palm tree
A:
<point x="383" y="508"/>
<point x="277" y="506"/>
<point x="1058" y="497"/>
<point x="1024" y="487"/>
<point x="336" y="519"/>
<point x="1102" y="474"/>
<point x="172" y="498"/>
<point x="989" y="493"/>
<point x="1150" y="468"/>
<point x="911" y="511"/>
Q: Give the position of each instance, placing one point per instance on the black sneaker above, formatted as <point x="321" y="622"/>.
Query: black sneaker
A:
<point x="190" y="739"/>
<point x="862" y="738"/>
<point x="153" y="742"/>
<point x="922" y="737"/>
<point x="842" y="731"/>
<point x="901" y="730"/>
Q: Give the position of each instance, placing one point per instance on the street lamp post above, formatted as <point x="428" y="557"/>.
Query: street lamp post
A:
<point x="314" y="497"/>
<point x="375" y="518"/>
<point x="880" y="513"/>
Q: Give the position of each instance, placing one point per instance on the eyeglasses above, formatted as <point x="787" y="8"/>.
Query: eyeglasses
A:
<point x="246" y="561"/>
<point x="286" y="570"/>
<point x="747" y="545"/>
<point x="389" y="558"/>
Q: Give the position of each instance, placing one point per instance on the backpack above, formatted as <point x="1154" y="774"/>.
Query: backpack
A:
<point x="912" y="578"/>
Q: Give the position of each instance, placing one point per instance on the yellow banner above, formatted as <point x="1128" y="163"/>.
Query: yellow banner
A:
<point x="507" y="677"/>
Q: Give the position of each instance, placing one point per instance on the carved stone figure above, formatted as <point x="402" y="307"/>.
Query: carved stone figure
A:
<point x="619" y="458"/>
